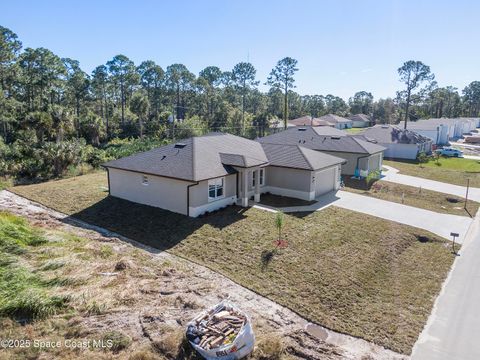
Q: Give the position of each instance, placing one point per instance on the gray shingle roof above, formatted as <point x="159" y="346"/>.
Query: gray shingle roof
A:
<point x="390" y="134"/>
<point x="309" y="137"/>
<point x="200" y="158"/>
<point x="310" y="121"/>
<point x="360" y="117"/>
<point x="334" y="118"/>
<point x="304" y="120"/>
<point x="299" y="157"/>
<point x="327" y="130"/>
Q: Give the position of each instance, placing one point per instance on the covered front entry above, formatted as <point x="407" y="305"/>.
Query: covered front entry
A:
<point x="249" y="179"/>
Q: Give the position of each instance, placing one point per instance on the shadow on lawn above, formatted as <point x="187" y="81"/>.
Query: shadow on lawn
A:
<point x="149" y="225"/>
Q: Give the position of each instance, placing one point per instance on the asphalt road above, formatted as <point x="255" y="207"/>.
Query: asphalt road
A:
<point x="453" y="329"/>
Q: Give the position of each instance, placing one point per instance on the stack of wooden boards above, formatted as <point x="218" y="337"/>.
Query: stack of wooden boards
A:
<point x="217" y="327"/>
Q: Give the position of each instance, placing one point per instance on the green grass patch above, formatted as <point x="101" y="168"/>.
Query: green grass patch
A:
<point x="354" y="130"/>
<point x="23" y="295"/>
<point x="450" y="170"/>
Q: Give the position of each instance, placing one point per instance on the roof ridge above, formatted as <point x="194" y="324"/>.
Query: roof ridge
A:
<point x="304" y="156"/>
<point x="360" y="143"/>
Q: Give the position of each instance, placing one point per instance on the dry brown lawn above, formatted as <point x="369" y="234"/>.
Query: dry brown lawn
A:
<point x="351" y="272"/>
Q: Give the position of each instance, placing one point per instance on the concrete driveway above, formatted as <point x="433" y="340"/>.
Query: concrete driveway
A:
<point x="440" y="224"/>
<point x="393" y="175"/>
<point x="453" y="329"/>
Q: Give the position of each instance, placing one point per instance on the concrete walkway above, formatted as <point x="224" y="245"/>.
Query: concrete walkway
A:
<point x="472" y="157"/>
<point x="440" y="224"/>
<point x="453" y="329"/>
<point x="393" y="175"/>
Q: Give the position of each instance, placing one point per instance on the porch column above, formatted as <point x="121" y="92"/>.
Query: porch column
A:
<point x="244" y="188"/>
<point x="256" y="197"/>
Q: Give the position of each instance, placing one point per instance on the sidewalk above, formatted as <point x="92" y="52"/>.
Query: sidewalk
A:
<point x="453" y="329"/>
<point x="392" y="175"/>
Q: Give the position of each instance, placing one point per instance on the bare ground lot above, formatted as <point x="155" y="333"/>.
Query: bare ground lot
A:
<point x="136" y="296"/>
<point x="350" y="272"/>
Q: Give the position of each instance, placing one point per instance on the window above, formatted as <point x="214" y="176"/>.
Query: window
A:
<point x="262" y="177"/>
<point x="144" y="180"/>
<point x="215" y="189"/>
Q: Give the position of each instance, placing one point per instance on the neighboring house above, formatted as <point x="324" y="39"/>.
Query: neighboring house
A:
<point x="360" y="120"/>
<point x="362" y="157"/>
<point x="435" y="131"/>
<point x="399" y="143"/>
<point x="309" y="121"/>
<point x="278" y="124"/>
<point x="456" y="126"/>
<point x="340" y="122"/>
<point x="209" y="172"/>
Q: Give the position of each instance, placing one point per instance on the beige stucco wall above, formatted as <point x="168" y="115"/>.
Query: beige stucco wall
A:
<point x="349" y="167"/>
<point x="165" y="193"/>
<point x="289" y="182"/>
<point x="199" y="193"/>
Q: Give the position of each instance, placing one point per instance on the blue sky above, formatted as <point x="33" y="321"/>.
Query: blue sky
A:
<point x="341" y="46"/>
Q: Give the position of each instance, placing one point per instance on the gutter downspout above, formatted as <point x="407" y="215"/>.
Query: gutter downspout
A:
<point x="188" y="197"/>
<point x="108" y="179"/>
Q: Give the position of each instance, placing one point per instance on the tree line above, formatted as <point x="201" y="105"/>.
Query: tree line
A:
<point x="50" y="107"/>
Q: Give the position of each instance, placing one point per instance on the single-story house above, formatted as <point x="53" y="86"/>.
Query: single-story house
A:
<point x="360" y="120"/>
<point x="310" y="121"/>
<point x="456" y="126"/>
<point x="399" y="143"/>
<point x="278" y="124"/>
<point x="340" y="122"/>
<point x="362" y="157"/>
<point x="205" y="173"/>
<point x="435" y="131"/>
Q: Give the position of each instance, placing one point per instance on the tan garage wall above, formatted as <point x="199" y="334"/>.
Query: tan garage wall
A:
<point x="289" y="182"/>
<point x="165" y="193"/>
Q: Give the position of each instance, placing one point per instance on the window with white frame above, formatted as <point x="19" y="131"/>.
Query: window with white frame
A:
<point x="262" y="177"/>
<point x="215" y="189"/>
<point x="144" y="180"/>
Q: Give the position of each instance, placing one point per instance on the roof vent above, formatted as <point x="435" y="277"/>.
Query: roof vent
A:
<point x="335" y="137"/>
<point x="302" y="129"/>
<point x="385" y="126"/>
<point x="180" y="145"/>
<point x="163" y="157"/>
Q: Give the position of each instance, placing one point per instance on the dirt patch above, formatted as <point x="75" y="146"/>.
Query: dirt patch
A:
<point x="153" y="294"/>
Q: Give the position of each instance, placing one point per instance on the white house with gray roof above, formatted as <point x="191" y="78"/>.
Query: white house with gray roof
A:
<point x="338" y="121"/>
<point x="398" y="142"/>
<point x="205" y="173"/>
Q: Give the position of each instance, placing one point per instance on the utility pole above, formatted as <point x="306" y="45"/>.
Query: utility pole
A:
<point x="173" y="123"/>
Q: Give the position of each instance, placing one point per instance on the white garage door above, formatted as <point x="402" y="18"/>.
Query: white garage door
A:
<point x="324" y="181"/>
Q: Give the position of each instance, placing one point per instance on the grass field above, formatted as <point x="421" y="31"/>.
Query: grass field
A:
<point x="424" y="199"/>
<point x="354" y="273"/>
<point x="354" y="130"/>
<point x="450" y="170"/>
